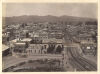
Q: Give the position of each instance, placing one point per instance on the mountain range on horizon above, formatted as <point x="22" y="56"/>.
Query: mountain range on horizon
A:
<point x="47" y="18"/>
<point x="52" y="16"/>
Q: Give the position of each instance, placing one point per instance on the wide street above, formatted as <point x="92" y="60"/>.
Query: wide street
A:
<point x="13" y="60"/>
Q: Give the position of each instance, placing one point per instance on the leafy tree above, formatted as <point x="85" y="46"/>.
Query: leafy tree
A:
<point x="94" y="36"/>
<point x="51" y="49"/>
<point x="58" y="49"/>
<point x="27" y="35"/>
<point x="26" y="45"/>
<point x="7" y="38"/>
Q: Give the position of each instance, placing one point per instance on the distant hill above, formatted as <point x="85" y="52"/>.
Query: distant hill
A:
<point x="48" y="18"/>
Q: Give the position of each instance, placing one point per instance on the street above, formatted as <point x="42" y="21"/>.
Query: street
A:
<point x="13" y="60"/>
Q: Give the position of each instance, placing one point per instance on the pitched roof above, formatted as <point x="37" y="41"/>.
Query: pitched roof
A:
<point x="4" y="47"/>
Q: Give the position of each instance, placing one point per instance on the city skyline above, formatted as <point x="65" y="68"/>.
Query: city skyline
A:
<point x="50" y="37"/>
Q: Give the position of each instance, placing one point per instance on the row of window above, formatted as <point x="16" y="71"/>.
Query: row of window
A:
<point x="34" y="51"/>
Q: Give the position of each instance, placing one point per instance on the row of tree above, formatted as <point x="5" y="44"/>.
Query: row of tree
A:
<point x="51" y="49"/>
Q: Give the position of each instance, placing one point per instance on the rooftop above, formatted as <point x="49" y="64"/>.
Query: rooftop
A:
<point x="26" y="39"/>
<point x="53" y="40"/>
<point x="20" y="43"/>
<point x="4" y="47"/>
<point x="23" y="40"/>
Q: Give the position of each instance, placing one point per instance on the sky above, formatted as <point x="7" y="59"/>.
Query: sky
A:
<point x="56" y="9"/>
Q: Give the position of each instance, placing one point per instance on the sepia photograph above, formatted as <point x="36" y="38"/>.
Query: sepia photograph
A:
<point x="49" y="37"/>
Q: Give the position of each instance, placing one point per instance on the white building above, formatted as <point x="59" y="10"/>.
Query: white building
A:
<point x="37" y="49"/>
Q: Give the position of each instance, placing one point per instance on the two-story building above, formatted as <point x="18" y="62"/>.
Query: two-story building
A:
<point x="37" y="49"/>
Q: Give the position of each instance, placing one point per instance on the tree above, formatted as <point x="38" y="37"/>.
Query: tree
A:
<point x="27" y="35"/>
<point x="50" y="49"/>
<point x="23" y="25"/>
<point x="26" y="45"/>
<point x="7" y="38"/>
<point x="58" y="49"/>
<point x="94" y="36"/>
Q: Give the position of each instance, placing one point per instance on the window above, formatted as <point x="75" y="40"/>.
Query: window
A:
<point x="35" y="51"/>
